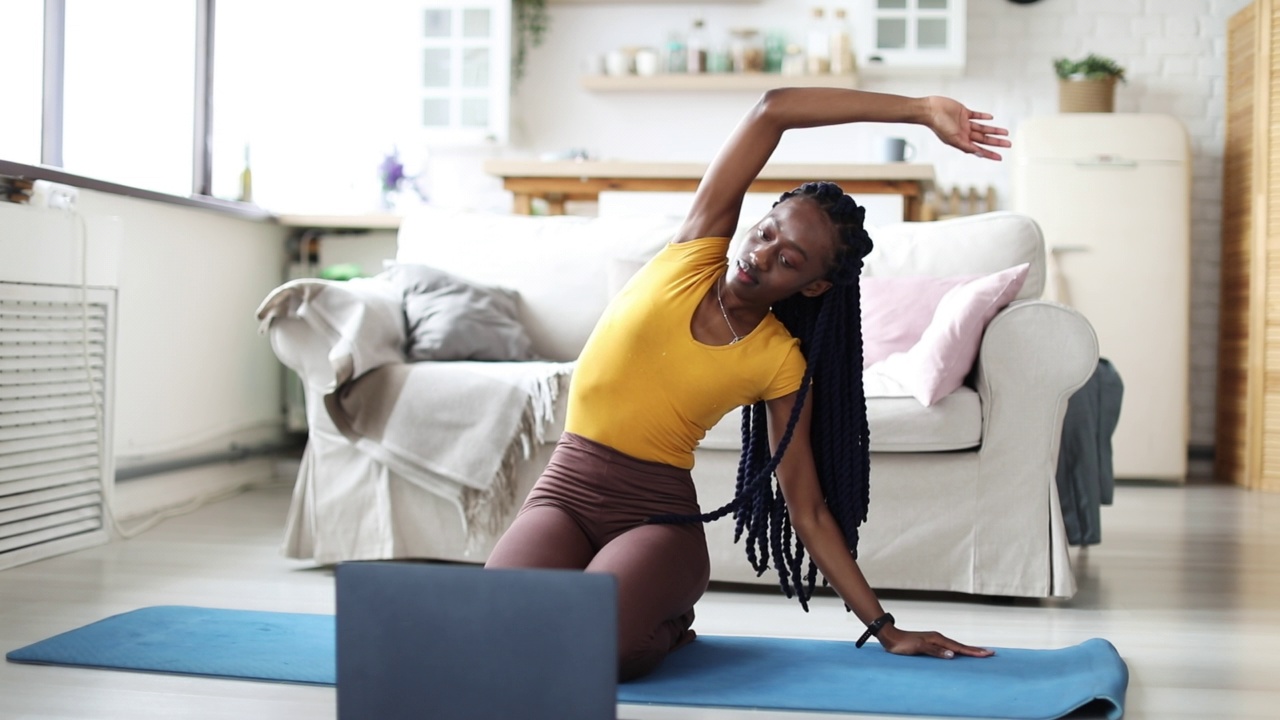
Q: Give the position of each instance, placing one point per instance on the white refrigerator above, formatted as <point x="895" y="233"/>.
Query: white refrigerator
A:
<point x="1112" y="194"/>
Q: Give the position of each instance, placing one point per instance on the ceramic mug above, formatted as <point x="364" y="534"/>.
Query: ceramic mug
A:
<point x="593" y="64"/>
<point x="897" y="149"/>
<point x="646" y="62"/>
<point x="618" y="63"/>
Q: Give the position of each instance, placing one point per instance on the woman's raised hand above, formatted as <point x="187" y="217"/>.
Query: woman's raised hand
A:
<point x="957" y="126"/>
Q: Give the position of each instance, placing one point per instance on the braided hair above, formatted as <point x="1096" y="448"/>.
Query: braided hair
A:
<point x="829" y="328"/>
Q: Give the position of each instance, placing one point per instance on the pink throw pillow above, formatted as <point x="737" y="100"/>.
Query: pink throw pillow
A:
<point x="896" y="310"/>
<point x="936" y="366"/>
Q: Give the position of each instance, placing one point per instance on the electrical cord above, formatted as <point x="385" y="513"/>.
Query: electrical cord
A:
<point x="98" y="401"/>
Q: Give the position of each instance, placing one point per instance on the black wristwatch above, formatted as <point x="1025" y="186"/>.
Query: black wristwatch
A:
<point x="874" y="628"/>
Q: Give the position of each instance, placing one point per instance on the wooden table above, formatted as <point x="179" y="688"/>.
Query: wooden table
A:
<point x="561" y="181"/>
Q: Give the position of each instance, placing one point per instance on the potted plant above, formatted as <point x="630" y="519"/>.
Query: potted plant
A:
<point x="1087" y="85"/>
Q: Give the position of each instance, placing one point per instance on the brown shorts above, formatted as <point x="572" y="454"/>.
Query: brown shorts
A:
<point x="608" y="492"/>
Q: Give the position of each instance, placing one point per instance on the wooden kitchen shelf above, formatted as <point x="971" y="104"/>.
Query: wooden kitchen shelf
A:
<point x="713" y="81"/>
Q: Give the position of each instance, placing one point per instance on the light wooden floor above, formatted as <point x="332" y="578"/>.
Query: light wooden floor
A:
<point x="1186" y="584"/>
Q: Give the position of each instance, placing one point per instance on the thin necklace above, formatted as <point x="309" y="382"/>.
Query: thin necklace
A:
<point x="733" y="332"/>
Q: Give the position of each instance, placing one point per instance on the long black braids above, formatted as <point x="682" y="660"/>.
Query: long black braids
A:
<point x="829" y="328"/>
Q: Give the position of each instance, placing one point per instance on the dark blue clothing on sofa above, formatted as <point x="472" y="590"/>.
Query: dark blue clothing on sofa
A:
<point x="1085" y="476"/>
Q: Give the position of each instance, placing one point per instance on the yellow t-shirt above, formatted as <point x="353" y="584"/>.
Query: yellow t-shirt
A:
<point x="645" y="387"/>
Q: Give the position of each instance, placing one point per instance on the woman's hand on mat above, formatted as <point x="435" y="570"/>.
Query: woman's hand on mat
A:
<point x="906" y="642"/>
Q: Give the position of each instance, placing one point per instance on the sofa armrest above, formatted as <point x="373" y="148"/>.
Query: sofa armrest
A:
<point x="333" y="332"/>
<point x="1034" y="355"/>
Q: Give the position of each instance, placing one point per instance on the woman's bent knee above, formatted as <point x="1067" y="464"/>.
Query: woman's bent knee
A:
<point x="639" y="656"/>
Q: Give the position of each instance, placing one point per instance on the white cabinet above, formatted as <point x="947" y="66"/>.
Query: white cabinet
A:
<point x="902" y="36"/>
<point x="464" y="83"/>
<point x="1112" y="194"/>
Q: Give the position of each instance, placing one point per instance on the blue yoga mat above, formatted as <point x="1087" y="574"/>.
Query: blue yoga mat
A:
<point x="741" y="672"/>
<point x="278" y="647"/>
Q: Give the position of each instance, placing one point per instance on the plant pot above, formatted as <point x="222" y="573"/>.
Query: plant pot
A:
<point x="1086" y="95"/>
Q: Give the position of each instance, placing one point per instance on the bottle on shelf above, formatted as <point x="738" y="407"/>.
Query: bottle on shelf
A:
<point x="842" y="61"/>
<point x="719" y="56"/>
<point x="793" y="61"/>
<point x="775" y="49"/>
<point x="696" y="48"/>
<point x="676" y="55"/>
<point x="818" y="49"/>
<point x="246" y="179"/>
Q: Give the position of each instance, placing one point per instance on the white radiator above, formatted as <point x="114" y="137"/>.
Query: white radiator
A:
<point x="56" y="369"/>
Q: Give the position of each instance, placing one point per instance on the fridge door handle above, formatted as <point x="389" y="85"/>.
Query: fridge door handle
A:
<point x="1064" y="249"/>
<point x="1107" y="161"/>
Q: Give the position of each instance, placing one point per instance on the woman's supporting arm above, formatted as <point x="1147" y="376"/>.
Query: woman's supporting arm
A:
<point x="817" y="529"/>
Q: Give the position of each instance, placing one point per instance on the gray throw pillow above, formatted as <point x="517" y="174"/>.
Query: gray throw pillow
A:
<point x="448" y="318"/>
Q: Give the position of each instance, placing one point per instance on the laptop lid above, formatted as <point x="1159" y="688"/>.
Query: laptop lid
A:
<point x="452" y="642"/>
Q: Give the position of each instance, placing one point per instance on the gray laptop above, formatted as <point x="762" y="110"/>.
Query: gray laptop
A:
<point x="454" y="642"/>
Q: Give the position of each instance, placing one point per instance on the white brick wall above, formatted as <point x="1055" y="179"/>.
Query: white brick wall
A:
<point x="1173" y="52"/>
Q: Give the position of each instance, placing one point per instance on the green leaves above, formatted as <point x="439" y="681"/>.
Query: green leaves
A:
<point x="1092" y="67"/>
<point x="531" y="23"/>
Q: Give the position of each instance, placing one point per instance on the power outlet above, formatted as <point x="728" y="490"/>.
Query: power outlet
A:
<point x="54" y="195"/>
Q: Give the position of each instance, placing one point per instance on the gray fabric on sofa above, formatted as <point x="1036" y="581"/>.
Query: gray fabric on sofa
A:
<point x="448" y="318"/>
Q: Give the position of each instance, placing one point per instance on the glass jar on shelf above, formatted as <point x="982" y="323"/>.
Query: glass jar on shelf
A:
<point x="775" y="49"/>
<point x="841" y="53"/>
<point x="747" y="50"/>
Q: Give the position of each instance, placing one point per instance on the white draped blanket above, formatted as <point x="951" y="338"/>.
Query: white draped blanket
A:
<point x="457" y="429"/>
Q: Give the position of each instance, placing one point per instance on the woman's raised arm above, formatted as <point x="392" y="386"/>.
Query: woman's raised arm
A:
<point x="718" y="201"/>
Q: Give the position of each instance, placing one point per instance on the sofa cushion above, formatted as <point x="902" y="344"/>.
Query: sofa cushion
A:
<point x="558" y="265"/>
<point x="972" y="245"/>
<point x="898" y="424"/>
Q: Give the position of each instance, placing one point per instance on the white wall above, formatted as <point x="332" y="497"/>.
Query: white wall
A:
<point x="1173" y="51"/>
<point x="192" y="374"/>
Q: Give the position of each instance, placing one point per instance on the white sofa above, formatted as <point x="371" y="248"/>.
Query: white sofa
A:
<point x="963" y="496"/>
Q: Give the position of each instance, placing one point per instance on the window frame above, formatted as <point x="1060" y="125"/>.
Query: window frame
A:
<point x="52" y="110"/>
<point x="497" y="131"/>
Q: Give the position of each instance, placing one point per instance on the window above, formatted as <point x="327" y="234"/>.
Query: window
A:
<point x="317" y="92"/>
<point x="22" y="37"/>
<point x="129" y="89"/>
<point x="310" y="94"/>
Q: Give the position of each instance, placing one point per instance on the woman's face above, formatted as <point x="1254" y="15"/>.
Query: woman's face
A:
<point x="790" y="251"/>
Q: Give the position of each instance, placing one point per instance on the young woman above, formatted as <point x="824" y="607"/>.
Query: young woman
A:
<point x="695" y="335"/>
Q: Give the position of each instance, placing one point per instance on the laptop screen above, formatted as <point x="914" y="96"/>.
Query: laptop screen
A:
<point x="418" y="640"/>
